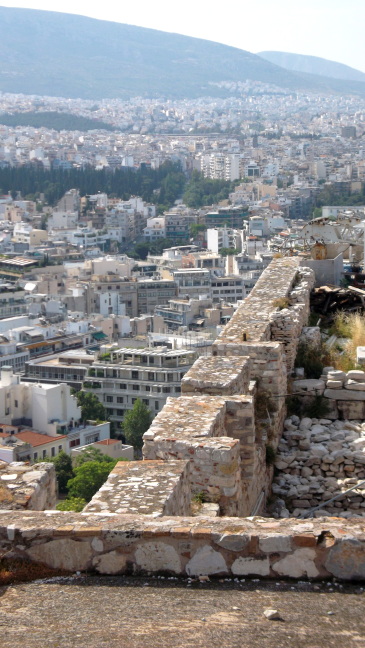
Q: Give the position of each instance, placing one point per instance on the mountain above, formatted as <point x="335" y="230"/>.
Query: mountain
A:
<point x="49" y="53"/>
<point x="313" y="65"/>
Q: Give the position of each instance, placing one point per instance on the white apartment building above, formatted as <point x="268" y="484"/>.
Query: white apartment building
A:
<point x="149" y="374"/>
<point x="155" y="229"/>
<point x="223" y="237"/>
<point x="47" y="408"/>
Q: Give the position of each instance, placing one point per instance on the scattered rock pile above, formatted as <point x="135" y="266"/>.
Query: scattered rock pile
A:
<point x="317" y="460"/>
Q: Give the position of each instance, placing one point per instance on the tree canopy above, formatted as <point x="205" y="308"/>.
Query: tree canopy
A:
<point x="91" y="408"/>
<point x="136" y="422"/>
<point x="63" y="467"/>
<point x="92" y="454"/>
<point x="89" y="477"/>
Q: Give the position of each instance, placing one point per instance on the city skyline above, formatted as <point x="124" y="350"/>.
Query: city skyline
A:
<point x="330" y="30"/>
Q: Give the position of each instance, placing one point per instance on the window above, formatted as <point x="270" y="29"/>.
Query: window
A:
<point x="44" y="454"/>
<point x="35" y="455"/>
<point x="151" y="375"/>
<point x="120" y="399"/>
<point x="109" y="399"/>
<point x="59" y="448"/>
<point x="156" y="405"/>
<point x="122" y="386"/>
<point x="166" y="390"/>
<point x="145" y="400"/>
<point x="135" y="387"/>
<point x="53" y="451"/>
<point x="147" y="388"/>
<point x="134" y="375"/>
<point x="15" y="403"/>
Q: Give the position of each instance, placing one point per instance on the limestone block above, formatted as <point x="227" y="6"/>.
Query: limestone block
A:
<point x="347" y="560"/>
<point x="299" y="563"/>
<point x="233" y="542"/>
<point x="205" y="562"/>
<point x="110" y="563"/>
<point x="309" y="385"/>
<point x="251" y="567"/>
<point x="356" y="374"/>
<point x="158" y="556"/>
<point x="352" y="409"/>
<point x="336" y="374"/>
<point x="63" y="553"/>
<point x="334" y="384"/>
<point x="275" y="544"/>
<point x="353" y="384"/>
<point x="344" y="394"/>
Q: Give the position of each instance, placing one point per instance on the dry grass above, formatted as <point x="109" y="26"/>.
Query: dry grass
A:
<point x="352" y="327"/>
<point x="21" y="571"/>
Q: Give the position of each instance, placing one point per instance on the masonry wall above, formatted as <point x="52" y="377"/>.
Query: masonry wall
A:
<point x="222" y="439"/>
<point x="118" y="544"/>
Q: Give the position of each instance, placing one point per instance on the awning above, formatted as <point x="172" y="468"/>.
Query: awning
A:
<point x="99" y="335"/>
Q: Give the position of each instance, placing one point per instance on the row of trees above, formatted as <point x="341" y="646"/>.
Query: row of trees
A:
<point x="122" y="182"/>
<point x="160" y="186"/>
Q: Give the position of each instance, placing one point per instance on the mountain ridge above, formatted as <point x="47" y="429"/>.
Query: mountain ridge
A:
<point x="313" y="65"/>
<point x="50" y="53"/>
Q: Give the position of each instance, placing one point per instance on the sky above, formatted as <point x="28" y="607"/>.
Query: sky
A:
<point x="331" y="29"/>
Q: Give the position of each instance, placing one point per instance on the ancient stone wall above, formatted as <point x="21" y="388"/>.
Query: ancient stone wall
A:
<point x="220" y="436"/>
<point x="343" y="393"/>
<point x="27" y="487"/>
<point x="118" y="544"/>
<point x="145" y="488"/>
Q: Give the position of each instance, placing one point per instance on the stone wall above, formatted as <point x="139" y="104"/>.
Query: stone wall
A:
<point x="223" y="435"/>
<point x="118" y="544"/>
<point x="145" y="488"/>
<point x="344" y="393"/>
<point x="318" y="460"/>
<point x="27" y="487"/>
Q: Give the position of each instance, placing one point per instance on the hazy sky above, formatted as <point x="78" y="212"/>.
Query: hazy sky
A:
<point x="332" y="29"/>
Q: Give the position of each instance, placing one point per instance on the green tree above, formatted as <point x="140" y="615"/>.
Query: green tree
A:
<point x="63" y="466"/>
<point x="228" y="251"/>
<point x="72" y="504"/>
<point x="92" y="454"/>
<point x="89" y="477"/>
<point x="91" y="407"/>
<point x="136" y="422"/>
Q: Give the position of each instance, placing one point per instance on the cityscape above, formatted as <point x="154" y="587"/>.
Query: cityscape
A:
<point x="182" y="359"/>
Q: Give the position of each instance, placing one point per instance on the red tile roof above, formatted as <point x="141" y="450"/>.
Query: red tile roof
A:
<point x="37" y="439"/>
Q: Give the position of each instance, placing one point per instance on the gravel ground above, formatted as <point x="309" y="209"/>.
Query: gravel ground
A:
<point x="117" y="612"/>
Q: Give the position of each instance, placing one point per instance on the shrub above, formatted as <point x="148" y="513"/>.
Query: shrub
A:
<point x="317" y="408"/>
<point x="281" y="303"/>
<point x="270" y="455"/>
<point x="72" y="504"/>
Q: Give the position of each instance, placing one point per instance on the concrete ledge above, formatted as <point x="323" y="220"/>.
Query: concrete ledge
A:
<point x="117" y="544"/>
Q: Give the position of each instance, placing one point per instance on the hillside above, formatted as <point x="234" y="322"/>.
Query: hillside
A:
<point x="53" y="120"/>
<point x="48" y="53"/>
<point x="313" y="65"/>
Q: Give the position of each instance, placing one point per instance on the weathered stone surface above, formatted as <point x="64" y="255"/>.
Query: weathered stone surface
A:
<point x="275" y="544"/>
<point x="344" y="394"/>
<point x="31" y="487"/>
<point x="298" y="564"/>
<point x="233" y="542"/>
<point x="347" y="560"/>
<point x="206" y="562"/>
<point x="251" y="567"/>
<point x="158" y="556"/>
<point x="63" y="553"/>
<point x="110" y="563"/>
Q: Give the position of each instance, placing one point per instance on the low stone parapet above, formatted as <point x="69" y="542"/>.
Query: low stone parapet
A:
<point x="118" y="544"/>
<point x="145" y="487"/>
<point x="27" y="487"/>
<point x="217" y="376"/>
